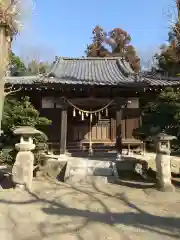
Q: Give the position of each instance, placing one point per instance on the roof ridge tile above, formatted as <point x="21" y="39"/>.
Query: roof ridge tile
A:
<point x="90" y="58"/>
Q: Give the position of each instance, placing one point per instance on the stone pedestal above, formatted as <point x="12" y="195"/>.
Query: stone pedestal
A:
<point x="22" y="171"/>
<point x="163" y="167"/>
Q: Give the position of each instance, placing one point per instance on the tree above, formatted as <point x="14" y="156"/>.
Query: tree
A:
<point x="169" y="56"/>
<point x="20" y="113"/>
<point x="168" y="60"/>
<point x="17" y="67"/>
<point x="118" y="40"/>
<point x="161" y="114"/>
<point x="35" y="67"/>
<point x="9" y="26"/>
<point x="12" y="14"/>
<point x="37" y="58"/>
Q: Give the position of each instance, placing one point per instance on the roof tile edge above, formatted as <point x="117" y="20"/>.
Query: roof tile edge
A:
<point x="90" y="58"/>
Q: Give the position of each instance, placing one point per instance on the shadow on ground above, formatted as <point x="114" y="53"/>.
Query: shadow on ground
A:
<point x="135" y="217"/>
<point x="132" y="182"/>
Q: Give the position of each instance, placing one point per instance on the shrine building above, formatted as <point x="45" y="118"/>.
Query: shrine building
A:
<point x="91" y="101"/>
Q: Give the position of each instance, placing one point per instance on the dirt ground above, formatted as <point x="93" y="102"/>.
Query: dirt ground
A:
<point x="89" y="211"/>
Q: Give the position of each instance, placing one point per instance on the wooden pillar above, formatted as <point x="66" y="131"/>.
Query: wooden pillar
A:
<point x="118" y="130"/>
<point x="63" y="131"/>
<point x="112" y="129"/>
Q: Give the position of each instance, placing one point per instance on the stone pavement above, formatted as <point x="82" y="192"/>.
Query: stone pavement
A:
<point x="92" y="211"/>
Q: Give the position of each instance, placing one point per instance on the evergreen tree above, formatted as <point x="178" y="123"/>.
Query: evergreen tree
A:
<point x="20" y="113"/>
<point x="169" y="56"/>
<point x="161" y="114"/>
<point x="17" y="67"/>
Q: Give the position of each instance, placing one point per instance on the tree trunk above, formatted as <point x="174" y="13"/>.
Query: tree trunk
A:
<point x="4" y="51"/>
<point x="1" y="102"/>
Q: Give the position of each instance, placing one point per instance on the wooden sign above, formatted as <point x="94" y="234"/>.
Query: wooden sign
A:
<point x="47" y="102"/>
<point x="133" y="103"/>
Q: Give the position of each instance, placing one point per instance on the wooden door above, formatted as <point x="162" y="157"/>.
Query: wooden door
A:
<point x="100" y="130"/>
<point x="130" y="122"/>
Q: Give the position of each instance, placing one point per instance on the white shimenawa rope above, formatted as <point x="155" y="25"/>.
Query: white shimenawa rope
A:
<point x="89" y="112"/>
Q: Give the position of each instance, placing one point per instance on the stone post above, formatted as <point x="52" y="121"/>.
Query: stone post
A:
<point x="163" y="164"/>
<point x="22" y="171"/>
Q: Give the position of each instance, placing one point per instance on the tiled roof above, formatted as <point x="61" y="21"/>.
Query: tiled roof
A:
<point x="84" y="71"/>
<point x="162" y="81"/>
<point x="112" y="71"/>
<point x="92" y="71"/>
<point x="24" y="80"/>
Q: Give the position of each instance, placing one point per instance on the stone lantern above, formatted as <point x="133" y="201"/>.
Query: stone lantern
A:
<point x="163" y="163"/>
<point x="22" y="171"/>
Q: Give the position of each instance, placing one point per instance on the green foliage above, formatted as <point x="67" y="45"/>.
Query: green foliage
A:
<point x="7" y="156"/>
<point x="21" y="113"/>
<point x="169" y="60"/>
<point x="161" y="114"/>
<point x="17" y="66"/>
<point x="169" y="56"/>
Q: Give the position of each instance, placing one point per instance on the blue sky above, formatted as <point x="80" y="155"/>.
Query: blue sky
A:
<point x="63" y="27"/>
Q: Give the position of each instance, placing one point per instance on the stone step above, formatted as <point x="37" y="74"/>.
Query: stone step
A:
<point x="91" y="171"/>
<point x="75" y="147"/>
<point x="78" y="179"/>
<point x="80" y="169"/>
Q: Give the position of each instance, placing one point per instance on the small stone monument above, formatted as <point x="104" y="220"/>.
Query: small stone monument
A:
<point x="22" y="171"/>
<point x="163" y="164"/>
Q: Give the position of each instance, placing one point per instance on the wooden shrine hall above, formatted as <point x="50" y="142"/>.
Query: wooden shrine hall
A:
<point x="92" y="102"/>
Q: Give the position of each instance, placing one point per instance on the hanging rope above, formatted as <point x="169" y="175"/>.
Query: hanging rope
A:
<point x="89" y="112"/>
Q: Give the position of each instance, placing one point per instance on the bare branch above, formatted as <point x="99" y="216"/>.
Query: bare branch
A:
<point x="13" y="3"/>
<point x="173" y="16"/>
<point x="9" y="88"/>
<point x="10" y="91"/>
